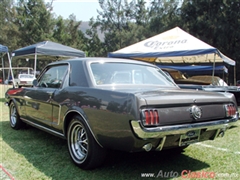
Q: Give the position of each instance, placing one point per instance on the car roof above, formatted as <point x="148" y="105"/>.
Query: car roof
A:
<point x="99" y="59"/>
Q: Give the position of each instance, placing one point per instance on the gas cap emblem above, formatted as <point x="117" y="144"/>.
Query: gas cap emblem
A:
<point x="196" y="112"/>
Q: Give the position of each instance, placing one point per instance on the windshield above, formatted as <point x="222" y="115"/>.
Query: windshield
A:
<point x="125" y="73"/>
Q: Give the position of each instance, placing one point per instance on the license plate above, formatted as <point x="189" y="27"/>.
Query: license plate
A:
<point x="189" y="138"/>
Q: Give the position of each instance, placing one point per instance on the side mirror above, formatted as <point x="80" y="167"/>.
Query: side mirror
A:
<point x="35" y="82"/>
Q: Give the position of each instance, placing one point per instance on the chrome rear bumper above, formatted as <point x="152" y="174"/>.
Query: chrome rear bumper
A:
<point x="160" y="132"/>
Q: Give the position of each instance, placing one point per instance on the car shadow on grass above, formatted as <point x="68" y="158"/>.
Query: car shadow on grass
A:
<point x="49" y="155"/>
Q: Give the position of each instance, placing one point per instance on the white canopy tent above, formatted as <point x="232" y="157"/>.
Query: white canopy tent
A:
<point x="173" y="46"/>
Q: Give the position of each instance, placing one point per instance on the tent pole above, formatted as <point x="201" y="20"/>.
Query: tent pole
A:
<point x="213" y="69"/>
<point x="234" y="81"/>
<point x="10" y="66"/>
<point x="3" y="70"/>
<point x="223" y="75"/>
<point x="35" y="65"/>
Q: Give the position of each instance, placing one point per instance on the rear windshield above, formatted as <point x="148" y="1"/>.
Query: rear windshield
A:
<point x="125" y="73"/>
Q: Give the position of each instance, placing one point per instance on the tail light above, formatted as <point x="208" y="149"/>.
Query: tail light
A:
<point x="14" y="91"/>
<point x="230" y="110"/>
<point x="150" y="117"/>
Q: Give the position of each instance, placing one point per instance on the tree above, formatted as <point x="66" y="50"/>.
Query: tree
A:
<point x="74" y="34"/>
<point x="8" y="30"/>
<point x="164" y="15"/>
<point x="215" y="22"/>
<point x="59" y="31"/>
<point x="140" y="12"/>
<point x="68" y="32"/>
<point x="34" y="21"/>
<point x="95" y="47"/>
<point x="117" y="21"/>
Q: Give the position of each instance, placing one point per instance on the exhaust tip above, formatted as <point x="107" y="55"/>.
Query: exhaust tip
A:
<point x="221" y="133"/>
<point x="147" y="147"/>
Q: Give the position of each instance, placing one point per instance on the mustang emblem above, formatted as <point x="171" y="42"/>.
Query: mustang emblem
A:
<point x="196" y="112"/>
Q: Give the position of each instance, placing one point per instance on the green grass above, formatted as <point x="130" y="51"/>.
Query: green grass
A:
<point x="30" y="154"/>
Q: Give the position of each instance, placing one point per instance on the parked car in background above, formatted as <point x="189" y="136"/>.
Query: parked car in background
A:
<point x="24" y="80"/>
<point x="181" y="78"/>
<point x="211" y="80"/>
<point x="98" y="104"/>
<point x="206" y="83"/>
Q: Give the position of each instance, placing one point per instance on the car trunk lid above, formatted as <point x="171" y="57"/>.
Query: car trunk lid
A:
<point x="169" y="107"/>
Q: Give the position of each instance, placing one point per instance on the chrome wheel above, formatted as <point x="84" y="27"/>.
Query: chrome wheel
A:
<point x="15" y="121"/>
<point x="82" y="146"/>
<point x="13" y="116"/>
<point x="79" y="142"/>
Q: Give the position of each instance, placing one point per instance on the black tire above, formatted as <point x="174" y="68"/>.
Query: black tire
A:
<point x="83" y="148"/>
<point x="15" y="121"/>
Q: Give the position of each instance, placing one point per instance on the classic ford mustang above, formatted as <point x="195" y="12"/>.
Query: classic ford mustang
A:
<point x="102" y="103"/>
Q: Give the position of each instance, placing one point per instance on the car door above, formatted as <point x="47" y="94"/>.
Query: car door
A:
<point x="39" y="100"/>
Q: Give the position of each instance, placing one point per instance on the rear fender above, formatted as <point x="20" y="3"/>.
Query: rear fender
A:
<point x="68" y="117"/>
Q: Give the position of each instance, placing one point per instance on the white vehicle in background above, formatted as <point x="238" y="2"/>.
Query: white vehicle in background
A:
<point x="24" y="80"/>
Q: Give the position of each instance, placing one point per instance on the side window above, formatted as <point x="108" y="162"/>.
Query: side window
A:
<point x="53" y="77"/>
